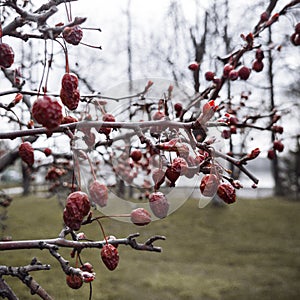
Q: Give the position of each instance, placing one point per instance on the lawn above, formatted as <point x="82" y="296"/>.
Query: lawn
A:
<point x="249" y="250"/>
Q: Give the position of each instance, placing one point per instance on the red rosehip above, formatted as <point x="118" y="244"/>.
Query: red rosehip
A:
<point x="209" y="76"/>
<point x="277" y="145"/>
<point x="194" y="66"/>
<point x="73" y="35"/>
<point x="136" y="155"/>
<point x="226" y="70"/>
<point x="271" y="154"/>
<point x="98" y="193"/>
<point x="159" y="204"/>
<point x="178" y="107"/>
<point x="259" y="54"/>
<point x="233" y="75"/>
<point x="209" y="185"/>
<point x="6" y="55"/>
<point x="244" y="73"/>
<point x="140" y="217"/>
<point x="110" y="256"/>
<point x="74" y="281"/>
<point x="227" y="193"/>
<point x="257" y="66"/>
<point x="47" y="151"/>
<point x="26" y="153"/>
<point x="47" y="111"/>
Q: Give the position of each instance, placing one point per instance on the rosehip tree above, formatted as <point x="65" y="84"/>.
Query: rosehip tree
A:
<point x="164" y="141"/>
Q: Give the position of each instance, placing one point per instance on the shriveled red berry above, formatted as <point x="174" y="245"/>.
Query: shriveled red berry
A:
<point x="107" y="118"/>
<point x="6" y="55"/>
<point x="259" y="54"/>
<point x="158" y="176"/>
<point x="159" y="204"/>
<point x="110" y="256"/>
<point x="87" y="267"/>
<point x="244" y="72"/>
<point x="271" y="154"/>
<point x="193" y="66"/>
<point x="257" y="65"/>
<point x="73" y="35"/>
<point x="227" y="69"/>
<point x="226" y="134"/>
<point x="70" y="98"/>
<point x="26" y="153"/>
<point x="69" y="81"/>
<point x="140" y="217"/>
<point x="277" y="129"/>
<point x="48" y="112"/>
<point x="68" y="120"/>
<point x="47" y="151"/>
<point x="178" y="107"/>
<point x="74" y="281"/>
<point x="180" y="165"/>
<point x="98" y="193"/>
<point x="136" y="155"/>
<point x="227" y="193"/>
<point x="209" y="76"/>
<point x="77" y="207"/>
<point x="233" y="75"/>
<point x="209" y="185"/>
<point x="278" y="145"/>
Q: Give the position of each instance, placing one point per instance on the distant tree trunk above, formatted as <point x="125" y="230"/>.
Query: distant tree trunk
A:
<point x="278" y="190"/>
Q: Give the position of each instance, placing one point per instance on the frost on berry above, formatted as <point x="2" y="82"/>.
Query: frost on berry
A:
<point x="107" y="118"/>
<point x="110" y="256"/>
<point x="73" y="35"/>
<point x="257" y="65"/>
<point x="77" y="207"/>
<point x="209" y="185"/>
<point x="26" y="153"/>
<point x="159" y="204"/>
<point x="98" y="193"/>
<point x="74" y="281"/>
<point x="140" y="217"/>
<point x="6" y="55"/>
<point x="227" y="193"/>
<point x="70" y="98"/>
<point x="69" y="81"/>
<point x="47" y="111"/>
<point x="233" y="75"/>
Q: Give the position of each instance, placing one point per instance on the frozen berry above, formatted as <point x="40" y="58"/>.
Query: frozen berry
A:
<point x="70" y="98"/>
<point x="277" y="145"/>
<point x="209" y="76"/>
<point x="233" y="75"/>
<point x="74" y="281"/>
<point x="110" y="256"/>
<point x="47" y="151"/>
<point x="159" y="204"/>
<point x="194" y="66"/>
<point x="227" y="193"/>
<point x="73" y="35"/>
<point x="178" y="107"/>
<point x="209" y="185"/>
<point x="98" y="193"/>
<point x="227" y="69"/>
<point x="257" y="66"/>
<point x="259" y="54"/>
<point x="48" y="112"/>
<point x="244" y="73"/>
<point x="69" y="81"/>
<point x="136" y="155"/>
<point x="26" y="153"/>
<point x="6" y="55"/>
<point x="107" y="118"/>
<point x="140" y="217"/>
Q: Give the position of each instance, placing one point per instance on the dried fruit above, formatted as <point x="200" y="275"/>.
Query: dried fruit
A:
<point x="209" y="185"/>
<point x="47" y="151"/>
<point x="178" y="107"/>
<point x="159" y="204"/>
<point x="6" y="55"/>
<point x="87" y="267"/>
<point x="226" y="70"/>
<point x="48" y="112"/>
<point x="26" y="153"/>
<point x="271" y="154"/>
<point x="277" y="145"/>
<point x="158" y="176"/>
<point x="244" y="73"/>
<point x="107" y="118"/>
<point x="259" y="54"/>
<point x="209" y="76"/>
<point x="77" y="207"/>
<point x="98" y="193"/>
<point x="69" y="82"/>
<point x="69" y="93"/>
<point x="257" y="66"/>
<point x="193" y="66"/>
<point x="136" y="155"/>
<point x="172" y="174"/>
<point x="74" y="281"/>
<point x="140" y="217"/>
<point x="110" y="256"/>
<point x="68" y="120"/>
<point x="233" y="75"/>
<point x="73" y="35"/>
<point x="227" y="193"/>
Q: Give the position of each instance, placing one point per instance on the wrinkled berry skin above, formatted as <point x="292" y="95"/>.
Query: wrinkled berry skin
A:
<point x="227" y="193"/>
<point x="140" y="217"/>
<point x="74" y="281"/>
<point x="7" y="55"/>
<point x="98" y="193"/>
<point x="73" y="35"/>
<point x="159" y="204"/>
<point x="209" y="185"/>
<point x="26" y="153"/>
<point x="47" y="111"/>
<point x="77" y="207"/>
<point x="110" y="256"/>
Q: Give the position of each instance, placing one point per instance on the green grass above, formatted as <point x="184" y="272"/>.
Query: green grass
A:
<point x="249" y="250"/>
